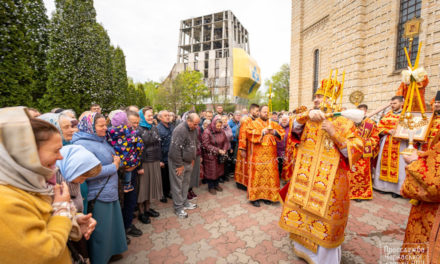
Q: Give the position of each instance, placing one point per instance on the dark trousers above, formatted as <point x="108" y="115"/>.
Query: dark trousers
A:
<point x="280" y="165"/>
<point x="212" y="183"/>
<point x="130" y="201"/>
<point x="165" y="179"/>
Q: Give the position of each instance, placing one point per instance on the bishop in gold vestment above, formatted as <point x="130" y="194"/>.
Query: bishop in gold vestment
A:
<point x="315" y="209"/>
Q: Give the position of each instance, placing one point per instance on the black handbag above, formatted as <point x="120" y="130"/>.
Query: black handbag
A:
<point x="91" y="203"/>
<point x="221" y="159"/>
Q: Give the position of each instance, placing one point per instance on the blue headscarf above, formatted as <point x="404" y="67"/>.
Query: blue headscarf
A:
<point x="76" y="161"/>
<point x="143" y="122"/>
<point x="54" y="119"/>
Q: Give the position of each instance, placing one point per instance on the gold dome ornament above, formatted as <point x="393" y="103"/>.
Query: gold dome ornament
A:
<point x="356" y="97"/>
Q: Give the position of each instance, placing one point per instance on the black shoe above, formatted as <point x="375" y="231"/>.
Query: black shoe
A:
<point x="241" y="186"/>
<point x="133" y="231"/>
<point x="168" y="195"/>
<point x="255" y="203"/>
<point x="394" y="195"/>
<point x="144" y="218"/>
<point x="267" y="202"/>
<point x="152" y="213"/>
<point x="128" y="240"/>
<point x="220" y="180"/>
<point x="115" y="258"/>
<point x="225" y="178"/>
<point x="163" y="200"/>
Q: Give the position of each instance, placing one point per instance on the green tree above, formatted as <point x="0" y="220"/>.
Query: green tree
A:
<point x="151" y="89"/>
<point x="23" y="38"/>
<point x="256" y="97"/>
<point x="79" y="58"/>
<point x="280" y="82"/>
<point x="120" y="80"/>
<point x="194" y="90"/>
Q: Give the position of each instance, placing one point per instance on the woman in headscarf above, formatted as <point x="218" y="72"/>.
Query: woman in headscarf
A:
<point x="35" y="218"/>
<point x="65" y="124"/>
<point x="77" y="165"/>
<point x="215" y="144"/>
<point x="108" y="239"/>
<point x="229" y="168"/>
<point x="150" y="181"/>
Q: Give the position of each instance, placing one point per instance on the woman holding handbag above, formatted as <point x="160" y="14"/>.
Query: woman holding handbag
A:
<point x="215" y="145"/>
<point x="108" y="240"/>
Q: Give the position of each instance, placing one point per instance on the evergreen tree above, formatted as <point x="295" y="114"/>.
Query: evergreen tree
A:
<point x="120" y="80"/>
<point x="23" y="41"/>
<point x="79" y="58"/>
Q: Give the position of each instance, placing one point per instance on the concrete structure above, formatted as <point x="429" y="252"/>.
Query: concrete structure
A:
<point x="364" y="39"/>
<point x="205" y="45"/>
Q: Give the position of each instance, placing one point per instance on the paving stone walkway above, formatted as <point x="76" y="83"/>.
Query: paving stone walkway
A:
<point x="227" y="229"/>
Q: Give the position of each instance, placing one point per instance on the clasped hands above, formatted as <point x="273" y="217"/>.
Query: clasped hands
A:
<point x="267" y="130"/>
<point x="318" y="116"/>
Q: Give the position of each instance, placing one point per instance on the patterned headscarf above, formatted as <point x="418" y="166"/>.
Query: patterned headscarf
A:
<point x="87" y="123"/>
<point x="54" y="119"/>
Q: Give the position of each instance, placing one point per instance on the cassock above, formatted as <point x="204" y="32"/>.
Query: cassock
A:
<point x="390" y="169"/>
<point x="291" y="148"/>
<point x="361" y="186"/>
<point x="264" y="180"/>
<point x="241" y="174"/>
<point x="315" y="209"/>
<point x="422" y="235"/>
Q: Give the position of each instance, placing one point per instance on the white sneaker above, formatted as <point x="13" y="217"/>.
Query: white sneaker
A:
<point x="190" y="206"/>
<point x="181" y="213"/>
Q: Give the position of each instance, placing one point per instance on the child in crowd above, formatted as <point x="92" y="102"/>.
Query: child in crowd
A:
<point x="127" y="144"/>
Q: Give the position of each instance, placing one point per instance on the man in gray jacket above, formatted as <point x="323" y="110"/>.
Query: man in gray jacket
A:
<point x="181" y="156"/>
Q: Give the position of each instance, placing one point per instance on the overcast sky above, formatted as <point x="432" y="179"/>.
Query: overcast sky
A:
<point x="148" y="30"/>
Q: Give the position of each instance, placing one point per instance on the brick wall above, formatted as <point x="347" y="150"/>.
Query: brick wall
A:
<point x="360" y="38"/>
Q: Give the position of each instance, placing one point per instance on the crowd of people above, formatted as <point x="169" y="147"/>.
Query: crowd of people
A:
<point x="72" y="185"/>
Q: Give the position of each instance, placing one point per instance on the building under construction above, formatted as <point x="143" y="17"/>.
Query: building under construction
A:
<point x="217" y="45"/>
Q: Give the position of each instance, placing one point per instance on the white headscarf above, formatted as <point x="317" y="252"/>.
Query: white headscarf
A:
<point x="20" y="164"/>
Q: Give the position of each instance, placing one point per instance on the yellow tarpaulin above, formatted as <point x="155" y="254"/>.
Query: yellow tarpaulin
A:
<point x="246" y="78"/>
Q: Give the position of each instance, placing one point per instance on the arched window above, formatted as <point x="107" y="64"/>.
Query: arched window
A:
<point x="408" y="10"/>
<point x="315" y="70"/>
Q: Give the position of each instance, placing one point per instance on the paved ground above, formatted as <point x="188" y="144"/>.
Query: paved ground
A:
<point x="227" y="229"/>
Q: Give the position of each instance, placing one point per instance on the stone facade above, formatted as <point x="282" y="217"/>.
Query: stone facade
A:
<point x="359" y="37"/>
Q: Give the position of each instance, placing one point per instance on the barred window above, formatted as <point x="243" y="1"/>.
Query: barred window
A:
<point x="315" y="71"/>
<point x="408" y="10"/>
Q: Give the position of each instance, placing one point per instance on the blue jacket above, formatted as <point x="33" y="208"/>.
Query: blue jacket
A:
<point x="104" y="152"/>
<point x="235" y="129"/>
<point x="165" y="140"/>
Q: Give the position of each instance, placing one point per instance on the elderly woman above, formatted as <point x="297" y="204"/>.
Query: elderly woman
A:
<point x="229" y="168"/>
<point x="35" y="217"/>
<point x="215" y="145"/>
<point x="65" y="124"/>
<point x="108" y="239"/>
<point x="150" y="181"/>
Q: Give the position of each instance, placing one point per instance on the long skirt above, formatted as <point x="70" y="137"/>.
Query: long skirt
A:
<point x="195" y="175"/>
<point x="108" y="238"/>
<point x="150" y="183"/>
